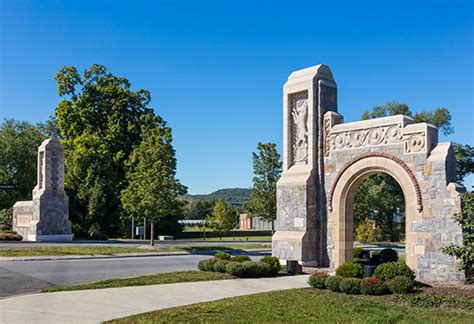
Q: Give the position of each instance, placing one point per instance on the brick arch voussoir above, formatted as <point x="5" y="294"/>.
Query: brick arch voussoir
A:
<point x="382" y="155"/>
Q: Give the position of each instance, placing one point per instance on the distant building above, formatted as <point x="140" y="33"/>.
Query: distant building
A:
<point x="248" y="223"/>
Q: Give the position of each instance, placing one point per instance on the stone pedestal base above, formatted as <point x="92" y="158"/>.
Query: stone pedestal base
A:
<point x="50" y="238"/>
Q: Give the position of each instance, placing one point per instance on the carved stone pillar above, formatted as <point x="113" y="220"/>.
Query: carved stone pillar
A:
<point x="301" y="212"/>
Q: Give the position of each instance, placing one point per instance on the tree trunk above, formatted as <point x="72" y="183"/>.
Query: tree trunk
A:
<point x="152" y="233"/>
<point x="273" y="227"/>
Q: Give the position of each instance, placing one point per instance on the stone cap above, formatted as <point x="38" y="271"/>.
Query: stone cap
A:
<point x="26" y="203"/>
<point x="310" y="72"/>
<point x="382" y="121"/>
<point x="50" y="142"/>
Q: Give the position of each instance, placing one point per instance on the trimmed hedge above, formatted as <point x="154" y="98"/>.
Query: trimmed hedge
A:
<point x="389" y="255"/>
<point x="222" y="255"/>
<point x="389" y="270"/>
<point x="240" y="258"/>
<point x="350" y="270"/>
<point x="400" y="285"/>
<point x="350" y="286"/>
<point x="333" y="282"/>
<point x="241" y="265"/>
<point x="273" y="263"/>
<point x="373" y="286"/>
<point x="317" y="280"/>
<point x="10" y="236"/>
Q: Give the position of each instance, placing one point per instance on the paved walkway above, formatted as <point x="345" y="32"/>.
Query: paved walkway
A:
<point x="93" y="306"/>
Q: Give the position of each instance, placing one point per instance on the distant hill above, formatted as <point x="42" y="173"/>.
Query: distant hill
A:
<point x="234" y="196"/>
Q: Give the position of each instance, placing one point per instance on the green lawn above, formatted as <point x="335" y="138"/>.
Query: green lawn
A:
<point x="65" y="250"/>
<point x="158" y="279"/>
<point x="302" y="306"/>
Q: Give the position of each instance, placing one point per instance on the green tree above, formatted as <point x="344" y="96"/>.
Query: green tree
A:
<point x="222" y="219"/>
<point x="465" y="252"/>
<point x="153" y="189"/>
<point x="99" y="120"/>
<point x="19" y="143"/>
<point x="464" y="161"/>
<point x="267" y="170"/>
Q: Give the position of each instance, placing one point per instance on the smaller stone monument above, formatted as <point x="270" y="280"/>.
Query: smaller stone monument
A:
<point x="46" y="217"/>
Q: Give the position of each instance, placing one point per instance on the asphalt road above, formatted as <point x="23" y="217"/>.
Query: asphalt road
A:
<point x="19" y="277"/>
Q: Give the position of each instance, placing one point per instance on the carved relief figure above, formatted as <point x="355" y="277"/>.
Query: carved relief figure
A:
<point x="299" y="113"/>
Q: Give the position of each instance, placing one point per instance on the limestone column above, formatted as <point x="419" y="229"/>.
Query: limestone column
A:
<point x="301" y="211"/>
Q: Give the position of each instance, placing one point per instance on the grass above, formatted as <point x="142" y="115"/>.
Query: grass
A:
<point x="69" y="250"/>
<point x="158" y="279"/>
<point x="301" y="306"/>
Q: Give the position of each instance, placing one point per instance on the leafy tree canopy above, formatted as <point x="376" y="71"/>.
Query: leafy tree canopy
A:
<point x="267" y="169"/>
<point x="223" y="218"/>
<point x="100" y="121"/>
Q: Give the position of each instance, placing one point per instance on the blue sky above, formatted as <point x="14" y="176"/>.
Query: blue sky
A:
<point x="215" y="69"/>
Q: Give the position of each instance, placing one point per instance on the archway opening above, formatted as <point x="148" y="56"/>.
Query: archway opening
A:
<point x="379" y="210"/>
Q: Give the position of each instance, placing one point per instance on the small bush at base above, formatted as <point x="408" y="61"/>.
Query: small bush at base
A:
<point x="372" y="286"/>
<point x="389" y="270"/>
<point x="222" y="255"/>
<point x="350" y="286"/>
<point x="400" y="285"/>
<point x="235" y="268"/>
<point x="10" y="236"/>
<point x="219" y="266"/>
<point x="332" y="282"/>
<point x="274" y="264"/>
<point x="252" y="269"/>
<point x="240" y="258"/>
<point x="350" y="270"/>
<point x="317" y="280"/>
<point x="389" y="255"/>
<point x="206" y="265"/>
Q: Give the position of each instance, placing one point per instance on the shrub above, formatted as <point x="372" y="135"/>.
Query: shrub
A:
<point x="372" y="286"/>
<point x="219" y="266"/>
<point x="350" y="270"/>
<point x="357" y="252"/>
<point x="10" y="236"/>
<point x="317" y="280"/>
<point x="274" y="264"/>
<point x="400" y="285"/>
<point x="387" y="271"/>
<point x="206" y="265"/>
<point x="332" y="282"/>
<point x="235" y="268"/>
<point x="240" y="258"/>
<point x="389" y="255"/>
<point x="252" y="269"/>
<point x="222" y="255"/>
<point x="350" y="286"/>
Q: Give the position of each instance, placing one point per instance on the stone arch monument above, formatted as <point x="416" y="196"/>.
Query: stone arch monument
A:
<point x="324" y="161"/>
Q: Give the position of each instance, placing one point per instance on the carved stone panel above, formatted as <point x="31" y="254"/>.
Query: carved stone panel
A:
<point x="299" y="127"/>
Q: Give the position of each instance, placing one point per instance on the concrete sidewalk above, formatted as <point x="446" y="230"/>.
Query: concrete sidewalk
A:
<point x="94" y="306"/>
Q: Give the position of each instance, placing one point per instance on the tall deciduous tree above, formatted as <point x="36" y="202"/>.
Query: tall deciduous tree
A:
<point x="100" y="121"/>
<point x="19" y="143"/>
<point x="267" y="169"/>
<point x="222" y="219"/>
<point x="153" y="189"/>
